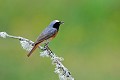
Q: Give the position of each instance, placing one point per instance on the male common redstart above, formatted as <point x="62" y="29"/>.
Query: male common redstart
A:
<point x="48" y="34"/>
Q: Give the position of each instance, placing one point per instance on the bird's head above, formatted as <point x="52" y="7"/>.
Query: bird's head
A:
<point x="56" y="24"/>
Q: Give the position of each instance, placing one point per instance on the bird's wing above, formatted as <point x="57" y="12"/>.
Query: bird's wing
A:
<point x="46" y="34"/>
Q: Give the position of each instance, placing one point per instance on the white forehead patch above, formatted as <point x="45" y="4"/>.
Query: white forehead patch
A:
<point x="56" y="21"/>
<point x="53" y="22"/>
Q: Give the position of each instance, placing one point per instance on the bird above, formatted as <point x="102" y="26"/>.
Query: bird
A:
<point x="47" y="34"/>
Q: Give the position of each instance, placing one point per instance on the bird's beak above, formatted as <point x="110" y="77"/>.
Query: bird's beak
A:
<point x="61" y="22"/>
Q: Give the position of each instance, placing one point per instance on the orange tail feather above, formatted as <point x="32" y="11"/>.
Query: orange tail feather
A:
<point x="32" y="50"/>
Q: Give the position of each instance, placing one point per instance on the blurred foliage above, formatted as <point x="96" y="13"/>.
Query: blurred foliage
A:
<point x="89" y="40"/>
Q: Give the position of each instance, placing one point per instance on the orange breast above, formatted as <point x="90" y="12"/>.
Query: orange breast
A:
<point x="53" y="36"/>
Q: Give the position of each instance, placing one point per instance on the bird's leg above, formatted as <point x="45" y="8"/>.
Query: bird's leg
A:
<point x="46" y="44"/>
<point x="46" y="47"/>
<point x="49" y="50"/>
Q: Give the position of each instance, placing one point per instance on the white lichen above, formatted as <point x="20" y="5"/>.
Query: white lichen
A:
<point x="60" y="69"/>
<point x="44" y="53"/>
<point x="3" y="34"/>
<point x="26" y="45"/>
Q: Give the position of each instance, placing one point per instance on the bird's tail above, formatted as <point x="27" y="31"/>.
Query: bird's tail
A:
<point x="35" y="46"/>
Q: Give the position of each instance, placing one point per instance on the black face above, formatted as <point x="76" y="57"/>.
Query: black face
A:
<point x="56" y="25"/>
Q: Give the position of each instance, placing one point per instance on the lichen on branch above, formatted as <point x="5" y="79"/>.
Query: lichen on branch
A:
<point x="60" y="69"/>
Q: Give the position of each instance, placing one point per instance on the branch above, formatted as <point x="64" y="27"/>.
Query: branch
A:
<point x="60" y="69"/>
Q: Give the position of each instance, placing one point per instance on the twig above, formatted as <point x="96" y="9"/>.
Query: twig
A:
<point x="60" y="69"/>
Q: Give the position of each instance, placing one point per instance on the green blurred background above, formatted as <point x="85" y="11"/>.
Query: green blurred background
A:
<point x="89" y="41"/>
